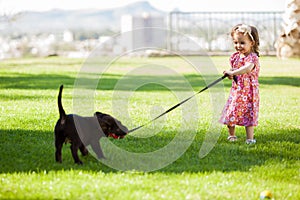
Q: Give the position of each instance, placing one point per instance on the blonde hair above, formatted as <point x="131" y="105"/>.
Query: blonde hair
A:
<point x="252" y="33"/>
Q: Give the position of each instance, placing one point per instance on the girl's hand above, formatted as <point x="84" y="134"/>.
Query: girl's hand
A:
<point x="229" y="73"/>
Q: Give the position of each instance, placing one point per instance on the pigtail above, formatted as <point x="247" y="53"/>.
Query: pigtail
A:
<point x="255" y="36"/>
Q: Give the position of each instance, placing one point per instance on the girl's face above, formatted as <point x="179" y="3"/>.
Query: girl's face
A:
<point x="242" y="43"/>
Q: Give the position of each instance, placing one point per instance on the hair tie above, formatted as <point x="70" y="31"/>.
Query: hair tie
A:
<point x="245" y="29"/>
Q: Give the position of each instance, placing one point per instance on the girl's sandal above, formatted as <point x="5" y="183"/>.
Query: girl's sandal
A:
<point x="232" y="138"/>
<point x="250" y="141"/>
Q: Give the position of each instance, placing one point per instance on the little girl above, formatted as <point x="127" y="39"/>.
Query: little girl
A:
<point x="243" y="103"/>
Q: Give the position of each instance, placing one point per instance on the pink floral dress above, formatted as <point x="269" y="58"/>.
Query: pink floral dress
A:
<point x="243" y="103"/>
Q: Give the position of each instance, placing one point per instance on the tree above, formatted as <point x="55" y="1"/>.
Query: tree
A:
<point x="288" y="45"/>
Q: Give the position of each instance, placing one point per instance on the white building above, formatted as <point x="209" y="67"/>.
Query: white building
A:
<point x="68" y="36"/>
<point x="143" y="32"/>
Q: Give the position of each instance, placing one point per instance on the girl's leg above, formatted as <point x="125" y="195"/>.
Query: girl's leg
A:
<point x="250" y="132"/>
<point x="250" y="135"/>
<point x="231" y="131"/>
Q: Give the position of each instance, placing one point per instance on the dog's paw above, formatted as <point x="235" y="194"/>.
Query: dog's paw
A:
<point x="85" y="153"/>
<point x="79" y="162"/>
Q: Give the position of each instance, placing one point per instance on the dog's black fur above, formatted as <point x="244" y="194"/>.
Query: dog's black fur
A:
<point x="91" y="129"/>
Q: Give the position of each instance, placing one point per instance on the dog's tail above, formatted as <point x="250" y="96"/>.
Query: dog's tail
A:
<point x="62" y="113"/>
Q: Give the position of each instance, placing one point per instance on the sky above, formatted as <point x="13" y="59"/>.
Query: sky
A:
<point x="13" y="6"/>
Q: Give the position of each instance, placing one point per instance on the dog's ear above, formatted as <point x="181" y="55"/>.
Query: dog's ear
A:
<point x="105" y="126"/>
<point x="104" y="118"/>
<point x="99" y="115"/>
<point x="106" y="121"/>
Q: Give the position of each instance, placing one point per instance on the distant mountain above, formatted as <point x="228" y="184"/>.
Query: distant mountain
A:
<point x="88" y="19"/>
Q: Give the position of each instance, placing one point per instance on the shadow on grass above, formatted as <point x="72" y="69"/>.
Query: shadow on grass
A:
<point x="109" y="81"/>
<point x="35" y="81"/>
<point x="27" y="151"/>
<point x="280" y="80"/>
<point x="106" y="81"/>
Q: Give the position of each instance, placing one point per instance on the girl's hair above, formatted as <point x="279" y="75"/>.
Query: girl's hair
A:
<point x="252" y="33"/>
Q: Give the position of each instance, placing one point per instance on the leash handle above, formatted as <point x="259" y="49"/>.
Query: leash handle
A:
<point x="182" y="102"/>
<point x="235" y="78"/>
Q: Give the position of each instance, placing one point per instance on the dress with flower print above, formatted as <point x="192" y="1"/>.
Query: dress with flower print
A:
<point x="243" y="103"/>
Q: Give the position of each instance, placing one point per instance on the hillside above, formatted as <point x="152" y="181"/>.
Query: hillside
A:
<point x="87" y="19"/>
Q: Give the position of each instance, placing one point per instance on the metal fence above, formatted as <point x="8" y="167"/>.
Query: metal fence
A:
<point x="211" y="30"/>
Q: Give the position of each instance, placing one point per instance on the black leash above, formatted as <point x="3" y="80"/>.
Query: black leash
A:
<point x="172" y="108"/>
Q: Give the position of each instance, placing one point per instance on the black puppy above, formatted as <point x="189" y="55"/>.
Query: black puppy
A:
<point x="91" y="129"/>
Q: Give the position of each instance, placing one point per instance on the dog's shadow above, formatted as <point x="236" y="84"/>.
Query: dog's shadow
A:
<point x="24" y="151"/>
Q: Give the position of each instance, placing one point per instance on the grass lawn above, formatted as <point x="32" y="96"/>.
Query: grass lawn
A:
<point x="28" y="104"/>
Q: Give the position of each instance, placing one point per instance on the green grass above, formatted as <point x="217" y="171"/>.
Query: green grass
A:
<point x="28" y="92"/>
